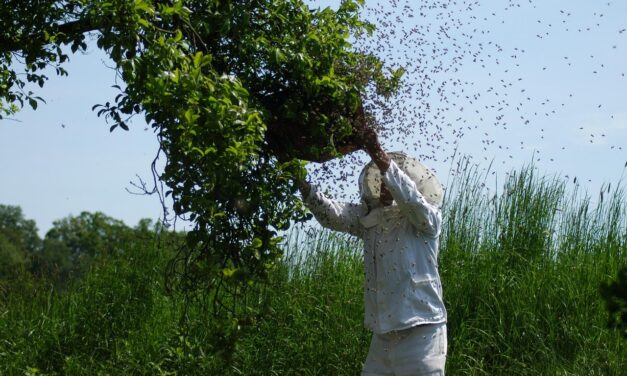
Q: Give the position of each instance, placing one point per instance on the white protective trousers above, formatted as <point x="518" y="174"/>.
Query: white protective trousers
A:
<point x="420" y="350"/>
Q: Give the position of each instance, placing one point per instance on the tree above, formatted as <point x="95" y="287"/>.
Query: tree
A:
<point x="14" y="260"/>
<point x="18" y="242"/>
<point x="73" y="242"/>
<point x="17" y="230"/>
<point x="89" y="234"/>
<point x="240" y="94"/>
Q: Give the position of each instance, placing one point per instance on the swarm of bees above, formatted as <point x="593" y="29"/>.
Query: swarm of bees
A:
<point x="469" y="82"/>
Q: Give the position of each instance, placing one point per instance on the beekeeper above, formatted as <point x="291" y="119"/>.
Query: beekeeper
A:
<point x="399" y="220"/>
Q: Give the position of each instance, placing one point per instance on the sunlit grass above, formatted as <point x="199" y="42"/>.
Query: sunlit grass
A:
<point x="521" y="270"/>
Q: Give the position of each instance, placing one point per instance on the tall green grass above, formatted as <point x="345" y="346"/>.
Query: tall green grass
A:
<point x="521" y="267"/>
<point x="521" y="271"/>
<point x="314" y="325"/>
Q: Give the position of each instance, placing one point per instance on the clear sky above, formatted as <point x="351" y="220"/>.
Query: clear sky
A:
<point x="541" y="80"/>
<point x="61" y="159"/>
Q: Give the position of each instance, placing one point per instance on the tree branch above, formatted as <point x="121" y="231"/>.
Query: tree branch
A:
<point x="17" y="43"/>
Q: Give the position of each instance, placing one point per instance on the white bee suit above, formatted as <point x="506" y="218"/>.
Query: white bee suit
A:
<point x="402" y="284"/>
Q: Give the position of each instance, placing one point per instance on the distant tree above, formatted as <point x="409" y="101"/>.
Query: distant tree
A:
<point x="18" y="242"/>
<point x="55" y="263"/>
<point x="73" y="242"/>
<point x="89" y="234"/>
<point x="13" y="260"/>
<point x="17" y="230"/>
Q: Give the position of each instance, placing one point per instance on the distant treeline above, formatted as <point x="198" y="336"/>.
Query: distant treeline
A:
<point x="69" y="248"/>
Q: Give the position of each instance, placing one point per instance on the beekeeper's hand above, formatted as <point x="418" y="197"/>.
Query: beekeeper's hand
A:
<point x="303" y="186"/>
<point x="367" y="136"/>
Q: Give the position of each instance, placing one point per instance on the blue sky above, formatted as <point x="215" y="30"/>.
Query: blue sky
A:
<point x="61" y="159"/>
<point x="546" y="81"/>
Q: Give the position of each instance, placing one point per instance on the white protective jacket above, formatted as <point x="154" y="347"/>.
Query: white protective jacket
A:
<point x="402" y="284"/>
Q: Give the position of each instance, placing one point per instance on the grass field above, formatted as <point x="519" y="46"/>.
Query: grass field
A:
<point x="521" y="271"/>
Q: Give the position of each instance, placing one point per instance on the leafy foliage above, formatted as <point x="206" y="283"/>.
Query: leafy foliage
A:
<point x="13" y="259"/>
<point x="238" y="93"/>
<point x="18" y="241"/>
<point x="18" y="230"/>
<point x="74" y="242"/>
<point x="89" y="233"/>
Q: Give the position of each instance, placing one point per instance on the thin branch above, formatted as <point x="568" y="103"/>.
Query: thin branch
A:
<point x="17" y="43"/>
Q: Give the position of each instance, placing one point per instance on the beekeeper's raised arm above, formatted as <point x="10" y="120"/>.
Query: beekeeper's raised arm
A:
<point x="332" y="214"/>
<point x="422" y="211"/>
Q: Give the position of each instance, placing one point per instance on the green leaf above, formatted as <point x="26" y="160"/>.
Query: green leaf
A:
<point x="229" y="272"/>
<point x="278" y="56"/>
<point x="256" y="243"/>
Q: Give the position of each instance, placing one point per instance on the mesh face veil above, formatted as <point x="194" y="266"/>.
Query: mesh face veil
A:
<point x="425" y="180"/>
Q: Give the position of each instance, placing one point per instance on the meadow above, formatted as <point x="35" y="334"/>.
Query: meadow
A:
<point x="521" y="265"/>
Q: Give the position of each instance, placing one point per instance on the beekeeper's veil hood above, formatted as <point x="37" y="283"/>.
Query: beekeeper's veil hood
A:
<point x="426" y="181"/>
